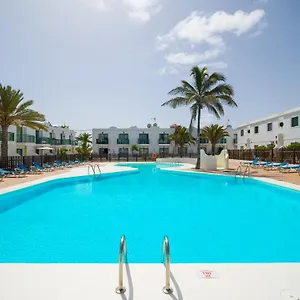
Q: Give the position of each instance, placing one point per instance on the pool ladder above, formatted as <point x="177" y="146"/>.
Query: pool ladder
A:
<point x="242" y="174"/>
<point x="165" y="254"/>
<point x="93" y="167"/>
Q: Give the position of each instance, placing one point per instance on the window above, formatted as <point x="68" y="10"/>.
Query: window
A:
<point x="163" y="138"/>
<point x="143" y="151"/>
<point x="163" y="151"/>
<point x="102" y="139"/>
<point x="11" y="136"/>
<point x="20" y="152"/>
<point x="295" y="121"/>
<point x="222" y="141"/>
<point x="203" y="141"/>
<point x="235" y="138"/>
<point x="256" y="129"/>
<point x="123" y="152"/>
<point x="123" y="138"/>
<point x="270" y="126"/>
<point x="242" y="132"/>
<point x="143" y="138"/>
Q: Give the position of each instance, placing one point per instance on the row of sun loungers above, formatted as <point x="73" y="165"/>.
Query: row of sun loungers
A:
<point x="281" y="167"/>
<point x="22" y="171"/>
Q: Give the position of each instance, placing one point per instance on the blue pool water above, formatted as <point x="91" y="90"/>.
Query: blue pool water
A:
<point x="207" y="219"/>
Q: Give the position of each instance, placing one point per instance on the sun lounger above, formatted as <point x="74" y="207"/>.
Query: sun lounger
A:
<point x="30" y="170"/>
<point x="15" y="173"/>
<point x="289" y="168"/>
<point x="275" y="166"/>
<point x="63" y="164"/>
<point x="39" y="168"/>
<point x="249" y="163"/>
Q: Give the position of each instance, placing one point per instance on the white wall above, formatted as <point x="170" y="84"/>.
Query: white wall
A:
<point x="263" y="137"/>
<point x="133" y="132"/>
<point x="113" y="135"/>
<point x="30" y="148"/>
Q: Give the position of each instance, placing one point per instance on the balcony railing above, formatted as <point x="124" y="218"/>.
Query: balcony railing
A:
<point x="10" y="136"/>
<point x="56" y="142"/>
<point x="143" y="141"/>
<point x="123" y="141"/>
<point x="25" y="138"/>
<point x="102" y="141"/>
<point x="164" y="141"/>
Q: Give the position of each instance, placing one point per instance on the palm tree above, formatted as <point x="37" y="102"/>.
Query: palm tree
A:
<point x="205" y="92"/>
<point x="85" y="141"/>
<point x="214" y="133"/>
<point x="182" y="137"/>
<point x="15" y="111"/>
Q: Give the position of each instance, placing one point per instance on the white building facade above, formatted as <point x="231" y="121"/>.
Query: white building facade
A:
<point x="24" y="141"/>
<point x="119" y="141"/>
<point x="281" y="129"/>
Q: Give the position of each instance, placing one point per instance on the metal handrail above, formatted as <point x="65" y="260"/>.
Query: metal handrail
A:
<point x="122" y="252"/>
<point x="166" y="252"/>
<point x="92" y="167"/>
<point x="98" y="169"/>
<point x="239" y="168"/>
<point x="247" y="172"/>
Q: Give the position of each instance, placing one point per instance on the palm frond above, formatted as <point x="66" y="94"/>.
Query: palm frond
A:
<point x="176" y="102"/>
<point x="199" y="77"/>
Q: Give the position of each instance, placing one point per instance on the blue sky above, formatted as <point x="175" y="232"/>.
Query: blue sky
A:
<point x="98" y="63"/>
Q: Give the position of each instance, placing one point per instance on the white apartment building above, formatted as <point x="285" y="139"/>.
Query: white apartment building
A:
<point x="281" y="129"/>
<point x="118" y="141"/>
<point x="26" y="141"/>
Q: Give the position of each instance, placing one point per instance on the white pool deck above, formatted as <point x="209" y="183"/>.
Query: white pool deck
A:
<point x="145" y="281"/>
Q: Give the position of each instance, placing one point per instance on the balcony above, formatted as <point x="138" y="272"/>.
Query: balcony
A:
<point x="25" y="138"/>
<point x="43" y="140"/>
<point x="10" y="136"/>
<point x="123" y="141"/>
<point x="143" y="141"/>
<point x="102" y="141"/>
<point x="164" y="141"/>
<point x="57" y="142"/>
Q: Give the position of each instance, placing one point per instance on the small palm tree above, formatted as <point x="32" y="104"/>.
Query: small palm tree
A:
<point x="207" y="91"/>
<point x="182" y="137"/>
<point x="214" y="133"/>
<point x="85" y="142"/>
<point x="15" y="111"/>
<point x="134" y="149"/>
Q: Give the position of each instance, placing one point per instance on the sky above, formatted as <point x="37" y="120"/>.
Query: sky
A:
<point x="100" y="63"/>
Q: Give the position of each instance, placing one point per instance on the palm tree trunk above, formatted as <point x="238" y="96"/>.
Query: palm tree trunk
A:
<point x="181" y="148"/>
<point x="4" y="144"/>
<point x="213" y="149"/>
<point x="198" y="140"/>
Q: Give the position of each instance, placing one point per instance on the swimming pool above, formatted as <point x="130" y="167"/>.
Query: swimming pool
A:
<point x="207" y="218"/>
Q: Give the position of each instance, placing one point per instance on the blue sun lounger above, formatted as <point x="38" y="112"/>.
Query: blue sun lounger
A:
<point x="289" y="168"/>
<point x="250" y="163"/>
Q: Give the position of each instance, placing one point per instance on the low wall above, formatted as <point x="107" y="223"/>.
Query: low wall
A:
<point x="208" y="162"/>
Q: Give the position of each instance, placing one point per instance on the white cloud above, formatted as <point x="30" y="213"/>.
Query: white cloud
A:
<point x="102" y="5"/>
<point x="182" y="58"/>
<point x="142" y="10"/>
<point x="260" y="30"/>
<point x="138" y="10"/>
<point x="167" y="70"/>
<point x="199" y="28"/>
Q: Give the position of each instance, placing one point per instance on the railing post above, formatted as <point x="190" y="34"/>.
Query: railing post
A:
<point x="294" y="156"/>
